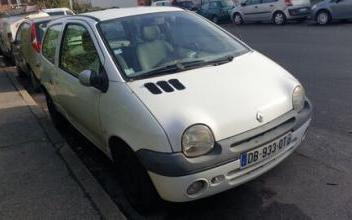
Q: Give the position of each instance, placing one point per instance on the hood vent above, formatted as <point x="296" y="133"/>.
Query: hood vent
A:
<point x="153" y="88"/>
<point x="166" y="86"/>
<point x="177" y="84"/>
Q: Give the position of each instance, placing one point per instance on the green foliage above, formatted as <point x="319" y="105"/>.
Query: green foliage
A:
<point x="52" y="3"/>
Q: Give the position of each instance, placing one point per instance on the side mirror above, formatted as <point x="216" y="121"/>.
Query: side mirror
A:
<point x="90" y="78"/>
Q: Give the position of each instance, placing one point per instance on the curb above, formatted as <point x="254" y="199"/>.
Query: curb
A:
<point x="107" y="208"/>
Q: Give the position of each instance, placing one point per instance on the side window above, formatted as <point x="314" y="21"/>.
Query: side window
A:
<point x="213" y="5"/>
<point x="19" y="33"/>
<point x="78" y="52"/>
<point x="253" y="2"/>
<point x="51" y="42"/>
<point x="268" y="1"/>
<point x="205" y="6"/>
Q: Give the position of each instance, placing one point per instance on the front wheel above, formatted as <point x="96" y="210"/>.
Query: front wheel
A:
<point x="135" y="180"/>
<point x="279" y="18"/>
<point x="215" y="19"/>
<point x="323" y="18"/>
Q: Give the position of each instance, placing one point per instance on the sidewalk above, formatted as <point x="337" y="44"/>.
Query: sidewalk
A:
<point x="36" y="180"/>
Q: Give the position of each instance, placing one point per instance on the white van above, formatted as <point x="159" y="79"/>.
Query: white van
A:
<point x="276" y="11"/>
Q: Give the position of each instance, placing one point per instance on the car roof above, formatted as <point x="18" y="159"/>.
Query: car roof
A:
<point x="125" y="12"/>
<point x="55" y="9"/>
<point x="48" y="18"/>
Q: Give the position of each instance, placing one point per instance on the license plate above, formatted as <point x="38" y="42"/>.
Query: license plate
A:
<point x="265" y="152"/>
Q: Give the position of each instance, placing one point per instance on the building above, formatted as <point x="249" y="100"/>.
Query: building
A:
<point x="8" y="4"/>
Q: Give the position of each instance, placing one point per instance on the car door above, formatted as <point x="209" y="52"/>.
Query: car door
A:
<point x="80" y="103"/>
<point x="266" y="9"/>
<point x="204" y="10"/>
<point x="214" y="9"/>
<point x="19" y="46"/>
<point x="341" y="9"/>
<point x="251" y="10"/>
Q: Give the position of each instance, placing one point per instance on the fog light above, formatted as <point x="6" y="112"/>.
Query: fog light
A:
<point x="196" y="187"/>
<point x="218" y="179"/>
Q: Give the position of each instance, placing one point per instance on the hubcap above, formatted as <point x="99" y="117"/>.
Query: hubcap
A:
<point x="238" y="19"/>
<point x="279" y="18"/>
<point x="323" y="18"/>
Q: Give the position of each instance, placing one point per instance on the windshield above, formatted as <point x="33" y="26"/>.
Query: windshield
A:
<point x="145" y="43"/>
<point x="228" y="3"/>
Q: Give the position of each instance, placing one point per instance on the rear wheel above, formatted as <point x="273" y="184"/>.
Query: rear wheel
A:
<point x="35" y="82"/>
<point x="135" y="180"/>
<point x="323" y="18"/>
<point x="279" y="18"/>
<point x="237" y="19"/>
<point x="57" y="118"/>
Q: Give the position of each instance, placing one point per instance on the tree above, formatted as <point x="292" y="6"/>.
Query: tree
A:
<point x="51" y="3"/>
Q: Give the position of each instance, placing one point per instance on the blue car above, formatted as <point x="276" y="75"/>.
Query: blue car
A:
<point x="328" y="10"/>
<point x="216" y="10"/>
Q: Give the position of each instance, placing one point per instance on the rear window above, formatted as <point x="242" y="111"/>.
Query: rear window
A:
<point x="41" y="27"/>
<point x="56" y="13"/>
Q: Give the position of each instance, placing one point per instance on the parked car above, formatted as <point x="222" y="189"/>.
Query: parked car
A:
<point x="58" y="11"/>
<point x="189" y="5"/>
<point x="216" y="10"/>
<point x="181" y="106"/>
<point x="9" y="27"/>
<point x="26" y="48"/>
<point x="328" y="10"/>
<point x="276" y="11"/>
<point x="162" y="3"/>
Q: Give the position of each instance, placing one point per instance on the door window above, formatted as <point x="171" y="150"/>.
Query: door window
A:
<point x="22" y="31"/>
<point x="253" y="2"/>
<point x="214" y="5"/>
<point x="205" y="6"/>
<point x="78" y="52"/>
<point x="51" y="42"/>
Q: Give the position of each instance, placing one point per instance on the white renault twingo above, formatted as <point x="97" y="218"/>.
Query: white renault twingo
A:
<point x="182" y="106"/>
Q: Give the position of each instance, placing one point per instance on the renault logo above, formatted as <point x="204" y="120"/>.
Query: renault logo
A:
<point x="260" y="117"/>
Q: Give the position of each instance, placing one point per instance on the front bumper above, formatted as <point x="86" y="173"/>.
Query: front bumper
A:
<point x="173" y="173"/>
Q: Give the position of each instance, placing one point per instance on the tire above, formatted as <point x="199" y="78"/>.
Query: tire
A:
<point x="36" y="86"/>
<point x="135" y="180"/>
<point x="323" y="17"/>
<point x="279" y="18"/>
<point x="20" y="72"/>
<point x="237" y="19"/>
<point x="57" y="118"/>
<point x="215" y="19"/>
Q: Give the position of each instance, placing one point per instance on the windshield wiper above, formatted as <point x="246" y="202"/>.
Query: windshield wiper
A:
<point x="171" y="68"/>
<point x="182" y="66"/>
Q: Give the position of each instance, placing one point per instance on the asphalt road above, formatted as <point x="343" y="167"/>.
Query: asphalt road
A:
<point x="316" y="181"/>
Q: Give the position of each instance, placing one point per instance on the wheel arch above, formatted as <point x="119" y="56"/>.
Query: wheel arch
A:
<point x="116" y="144"/>
<point x="322" y="10"/>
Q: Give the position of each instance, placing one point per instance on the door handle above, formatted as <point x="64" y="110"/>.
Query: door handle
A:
<point x="271" y="5"/>
<point x="255" y="6"/>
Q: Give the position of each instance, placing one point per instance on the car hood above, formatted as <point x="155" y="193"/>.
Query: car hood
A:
<point x="227" y="98"/>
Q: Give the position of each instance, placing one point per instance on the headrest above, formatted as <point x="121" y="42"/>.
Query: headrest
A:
<point x="151" y="33"/>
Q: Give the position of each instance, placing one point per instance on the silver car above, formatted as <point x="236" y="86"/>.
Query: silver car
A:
<point x="182" y="107"/>
<point x="276" y="11"/>
<point x="326" y="11"/>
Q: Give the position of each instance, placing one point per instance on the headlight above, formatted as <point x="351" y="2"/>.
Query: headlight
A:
<point x="314" y="6"/>
<point x="298" y="98"/>
<point x="197" y="140"/>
